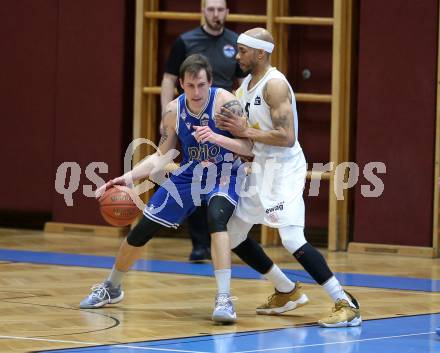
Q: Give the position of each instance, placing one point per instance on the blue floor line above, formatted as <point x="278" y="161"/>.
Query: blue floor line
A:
<point x="411" y="334"/>
<point x="238" y="271"/>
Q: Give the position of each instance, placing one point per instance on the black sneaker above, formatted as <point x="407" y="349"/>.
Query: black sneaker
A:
<point x="200" y="254"/>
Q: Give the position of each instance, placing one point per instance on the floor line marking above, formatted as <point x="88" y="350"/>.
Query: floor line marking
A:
<point x="239" y="271"/>
<point x="98" y="344"/>
<point x="333" y="343"/>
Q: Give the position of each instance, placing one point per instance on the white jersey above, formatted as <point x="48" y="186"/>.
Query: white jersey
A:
<point x="273" y="190"/>
<point x="258" y="111"/>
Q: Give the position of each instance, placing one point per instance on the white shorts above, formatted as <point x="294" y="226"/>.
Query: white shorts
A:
<point x="278" y="200"/>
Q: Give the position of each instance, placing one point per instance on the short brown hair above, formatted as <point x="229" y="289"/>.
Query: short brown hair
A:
<point x="193" y="64"/>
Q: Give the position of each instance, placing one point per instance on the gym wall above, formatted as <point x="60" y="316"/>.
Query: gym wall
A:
<point x="66" y="93"/>
<point x="396" y="112"/>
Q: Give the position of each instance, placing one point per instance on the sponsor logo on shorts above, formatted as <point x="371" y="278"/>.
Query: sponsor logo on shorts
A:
<point x="273" y="218"/>
<point x="278" y="207"/>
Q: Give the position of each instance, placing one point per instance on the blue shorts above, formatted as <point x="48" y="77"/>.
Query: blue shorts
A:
<point x="178" y="197"/>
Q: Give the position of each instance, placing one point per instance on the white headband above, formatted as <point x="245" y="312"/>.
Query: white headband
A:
<point x="255" y="43"/>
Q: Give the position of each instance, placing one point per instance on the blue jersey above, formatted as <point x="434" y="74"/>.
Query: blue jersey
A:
<point x="196" y="183"/>
<point x="192" y="150"/>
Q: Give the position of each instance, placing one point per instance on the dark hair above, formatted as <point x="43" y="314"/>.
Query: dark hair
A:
<point x="193" y="64"/>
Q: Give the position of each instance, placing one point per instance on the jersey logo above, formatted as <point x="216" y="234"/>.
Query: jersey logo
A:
<point x="188" y="125"/>
<point x="183" y="115"/>
<point x="204" y="152"/>
<point x="257" y="100"/>
<point x="229" y="51"/>
<point x="204" y="120"/>
<point x="273" y="217"/>
<point x="256" y="126"/>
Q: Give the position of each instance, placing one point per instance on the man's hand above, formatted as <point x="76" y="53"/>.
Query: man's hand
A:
<point x="116" y="181"/>
<point x="235" y="124"/>
<point x="204" y="134"/>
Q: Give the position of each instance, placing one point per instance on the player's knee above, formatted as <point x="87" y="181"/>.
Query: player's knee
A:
<point x="238" y="231"/>
<point x="219" y="212"/>
<point x="236" y="239"/>
<point x="143" y="232"/>
<point x="292" y="238"/>
<point x="216" y="221"/>
<point x="237" y="234"/>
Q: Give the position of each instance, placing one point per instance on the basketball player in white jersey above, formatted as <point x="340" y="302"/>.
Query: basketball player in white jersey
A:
<point x="278" y="173"/>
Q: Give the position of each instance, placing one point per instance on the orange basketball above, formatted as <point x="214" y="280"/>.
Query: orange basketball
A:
<point x="117" y="207"/>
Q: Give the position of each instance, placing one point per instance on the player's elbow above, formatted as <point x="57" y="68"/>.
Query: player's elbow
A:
<point x="288" y="140"/>
<point x="288" y="143"/>
<point x="291" y="141"/>
<point x="168" y="82"/>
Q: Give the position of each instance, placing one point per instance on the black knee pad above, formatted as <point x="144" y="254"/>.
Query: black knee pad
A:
<point x="314" y="263"/>
<point x="253" y="255"/>
<point x="219" y="212"/>
<point x="143" y="232"/>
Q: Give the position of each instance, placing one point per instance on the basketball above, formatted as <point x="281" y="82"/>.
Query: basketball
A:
<point x="117" y="207"/>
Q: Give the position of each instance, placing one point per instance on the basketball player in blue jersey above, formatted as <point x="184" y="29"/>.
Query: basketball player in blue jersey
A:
<point x="208" y="173"/>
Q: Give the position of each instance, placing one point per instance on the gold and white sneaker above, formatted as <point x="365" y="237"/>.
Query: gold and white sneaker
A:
<point x="279" y="303"/>
<point x="343" y="315"/>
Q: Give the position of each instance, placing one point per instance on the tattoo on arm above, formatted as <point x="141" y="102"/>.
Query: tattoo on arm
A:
<point x="281" y="121"/>
<point x="234" y="106"/>
<point x="164" y="136"/>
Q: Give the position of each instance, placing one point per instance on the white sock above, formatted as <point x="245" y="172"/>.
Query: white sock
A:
<point x="335" y="290"/>
<point x="279" y="280"/>
<point x="223" y="278"/>
<point x="115" y="277"/>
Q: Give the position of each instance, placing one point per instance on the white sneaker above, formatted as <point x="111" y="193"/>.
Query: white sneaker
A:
<point x="224" y="311"/>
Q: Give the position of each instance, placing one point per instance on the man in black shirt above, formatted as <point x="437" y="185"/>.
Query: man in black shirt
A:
<point x="219" y="45"/>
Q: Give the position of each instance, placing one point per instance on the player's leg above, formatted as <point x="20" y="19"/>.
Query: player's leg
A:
<point x="288" y="295"/>
<point x="199" y="233"/>
<point x="346" y="312"/>
<point x="220" y="210"/>
<point x="162" y="211"/>
<point x="110" y="292"/>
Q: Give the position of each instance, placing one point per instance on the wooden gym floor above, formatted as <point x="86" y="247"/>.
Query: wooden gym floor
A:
<point x="44" y="276"/>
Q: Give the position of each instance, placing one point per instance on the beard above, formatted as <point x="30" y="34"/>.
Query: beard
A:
<point x="247" y="69"/>
<point x="215" y="25"/>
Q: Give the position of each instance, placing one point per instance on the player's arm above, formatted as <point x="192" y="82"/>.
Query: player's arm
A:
<point x="242" y="147"/>
<point x="239" y="146"/>
<point x="277" y="95"/>
<point x="158" y="160"/>
<point x="167" y="88"/>
<point x="161" y="157"/>
<point x="168" y="138"/>
<point x="170" y="76"/>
